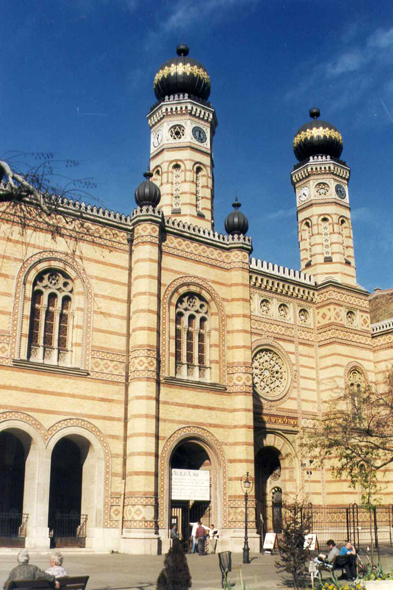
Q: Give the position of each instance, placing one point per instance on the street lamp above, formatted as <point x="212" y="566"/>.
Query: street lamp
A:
<point x="247" y="484"/>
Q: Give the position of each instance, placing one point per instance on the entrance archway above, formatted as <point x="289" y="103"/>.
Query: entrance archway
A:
<point x="72" y="495"/>
<point x="15" y="446"/>
<point x="268" y="492"/>
<point x="192" y="482"/>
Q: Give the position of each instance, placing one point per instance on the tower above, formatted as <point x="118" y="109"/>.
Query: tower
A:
<point x="320" y="180"/>
<point x="182" y="125"/>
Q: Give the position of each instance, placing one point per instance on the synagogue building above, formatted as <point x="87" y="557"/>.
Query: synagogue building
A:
<point x="148" y="363"/>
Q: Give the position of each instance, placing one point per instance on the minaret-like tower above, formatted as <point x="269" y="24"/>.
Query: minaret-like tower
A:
<point x="321" y="181"/>
<point x="182" y="127"/>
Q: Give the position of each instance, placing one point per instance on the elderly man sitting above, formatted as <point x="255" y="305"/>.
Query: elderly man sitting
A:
<point x="26" y="571"/>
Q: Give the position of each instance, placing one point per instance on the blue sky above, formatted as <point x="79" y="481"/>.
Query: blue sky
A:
<point x="77" y="80"/>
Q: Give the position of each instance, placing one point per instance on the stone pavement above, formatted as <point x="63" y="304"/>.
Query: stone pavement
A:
<point x="140" y="572"/>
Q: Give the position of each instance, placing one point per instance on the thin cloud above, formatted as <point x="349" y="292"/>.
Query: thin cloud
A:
<point x="184" y="14"/>
<point x="281" y="214"/>
<point x="356" y="77"/>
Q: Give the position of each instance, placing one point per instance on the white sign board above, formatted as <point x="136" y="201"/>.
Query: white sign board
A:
<point x="310" y="542"/>
<point x="190" y="484"/>
<point x="269" y="541"/>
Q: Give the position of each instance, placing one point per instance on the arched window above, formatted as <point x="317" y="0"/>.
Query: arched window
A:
<point x="157" y="177"/>
<point x="51" y="318"/>
<point x="325" y="225"/>
<point x="307" y="240"/>
<point x="344" y="235"/>
<point x="192" y="338"/>
<point x="176" y="187"/>
<point x="198" y="185"/>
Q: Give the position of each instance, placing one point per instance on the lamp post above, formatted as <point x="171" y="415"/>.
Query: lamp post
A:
<point x="246" y="483"/>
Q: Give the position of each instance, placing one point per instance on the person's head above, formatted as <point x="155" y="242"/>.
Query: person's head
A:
<point x="212" y="526"/>
<point x="199" y="522"/>
<point x="349" y="545"/>
<point x="330" y="543"/>
<point x="23" y="556"/>
<point x="56" y="558"/>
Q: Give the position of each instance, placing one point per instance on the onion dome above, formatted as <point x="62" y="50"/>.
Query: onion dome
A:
<point x="182" y="75"/>
<point x="147" y="193"/>
<point x="317" y="137"/>
<point x="236" y="223"/>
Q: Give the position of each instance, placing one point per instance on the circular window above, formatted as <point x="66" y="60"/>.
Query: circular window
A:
<point x="177" y="132"/>
<point x="270" y="374"/>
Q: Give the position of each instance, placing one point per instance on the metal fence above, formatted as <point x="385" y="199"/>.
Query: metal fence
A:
<point x="68" y="530"/>
<point x="13" y="524"/>
<point x="353" y="522"/>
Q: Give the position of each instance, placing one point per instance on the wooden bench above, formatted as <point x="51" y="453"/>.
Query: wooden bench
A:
<point x="66" y="583"/>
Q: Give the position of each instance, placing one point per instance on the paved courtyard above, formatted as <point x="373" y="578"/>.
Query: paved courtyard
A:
<point x="140" y="572"/>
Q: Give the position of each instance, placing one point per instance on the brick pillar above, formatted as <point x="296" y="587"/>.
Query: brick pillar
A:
<point x="140" y="533"/>
<point x="241" y="454"/>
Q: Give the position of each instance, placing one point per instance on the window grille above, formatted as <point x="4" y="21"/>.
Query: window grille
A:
<point x="51" y="318"/>
<point x="192" y="338"/>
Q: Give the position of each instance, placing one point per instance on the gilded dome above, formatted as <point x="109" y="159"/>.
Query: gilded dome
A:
<point x="182" y="75"/>
<point x="317" y="138"/>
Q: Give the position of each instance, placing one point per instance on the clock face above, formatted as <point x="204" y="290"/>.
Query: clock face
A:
<point x="199" y="134"/>
<point x="340" y="191"/>
<point x="157" y="138"/>
<point x="303" y="195"/>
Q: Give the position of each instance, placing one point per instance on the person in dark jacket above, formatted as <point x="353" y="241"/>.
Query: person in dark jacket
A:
<point x="26" y="571"/>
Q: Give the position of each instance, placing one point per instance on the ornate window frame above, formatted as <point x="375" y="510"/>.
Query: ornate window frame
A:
<point x="350" y="368"/>
<point x="283" y="395"/>
<point x="177" y="172"/>
<point x="83" y="309"/>
<point x="217" y="327"/>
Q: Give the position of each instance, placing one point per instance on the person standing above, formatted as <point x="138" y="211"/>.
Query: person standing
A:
<point x="200" y="537"/>
<point x="213" y="536"/>
<point x="193" y="532"/>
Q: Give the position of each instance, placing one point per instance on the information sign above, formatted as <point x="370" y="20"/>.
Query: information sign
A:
<point x="269" y="541"/>
<point x="190" y="484"/>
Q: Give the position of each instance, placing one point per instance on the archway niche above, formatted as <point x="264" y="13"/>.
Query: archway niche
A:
<point x="18" y="472"/>
<point x="193" y="488"/>
<point x="268" y="491"/>
<point x="73" y="491"/>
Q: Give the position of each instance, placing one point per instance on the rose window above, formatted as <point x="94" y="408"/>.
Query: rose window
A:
<point x="270" y="374"/>
<point x="283" y="311"/>
<point x="303" y="316"/>
<point x="322" y="189"/>
<point x="351" y="318"/>
<point x="177" y="132"/>
<point x="265" y="306"/>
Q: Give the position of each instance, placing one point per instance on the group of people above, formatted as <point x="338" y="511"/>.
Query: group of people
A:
<point x="340" y="558"/>
<point x="204" y="539"/>
<point x="27" y="571"/>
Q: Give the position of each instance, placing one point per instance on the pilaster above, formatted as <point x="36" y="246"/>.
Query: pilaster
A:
<point x="140" y="504"/>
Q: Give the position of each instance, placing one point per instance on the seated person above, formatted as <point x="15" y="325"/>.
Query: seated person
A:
<point x="328" y="559"/>
<point x="26" y="571"/>
<point x="56" y="565"/>
<point x="347" y="559"/>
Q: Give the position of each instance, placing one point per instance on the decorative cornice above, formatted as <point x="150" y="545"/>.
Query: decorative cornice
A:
<point x="281" y="271"/>
<point x="382" y="327"/>
<point x="182" y="104"/>
<point x="320" y="165"/>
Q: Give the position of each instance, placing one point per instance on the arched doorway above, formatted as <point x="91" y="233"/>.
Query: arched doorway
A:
<point x="72" y="491"/>
<point x="14" y="450"/>
<point x="191" y="485"/>
<point x="268" y="492"/>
